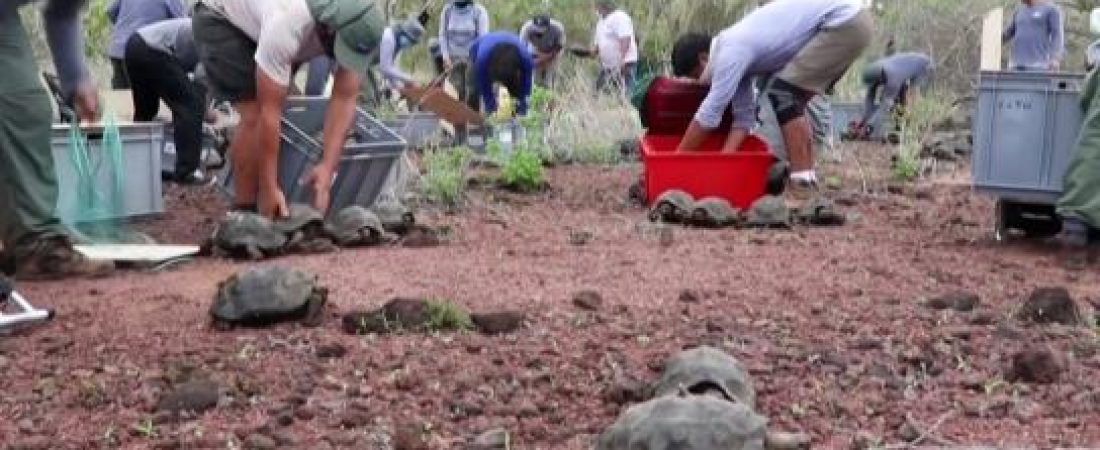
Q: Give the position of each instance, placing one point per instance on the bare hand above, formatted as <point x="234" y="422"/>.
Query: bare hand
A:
<point x="273" y="204"/>
<point x="320" y="179"/>
<point x="86" y="99"/>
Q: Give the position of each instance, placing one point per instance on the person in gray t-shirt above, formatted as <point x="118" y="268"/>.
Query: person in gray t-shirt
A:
<point x="1038" y="36"/>
<point x="159" y="59"/>
<point x="892" y="77"/>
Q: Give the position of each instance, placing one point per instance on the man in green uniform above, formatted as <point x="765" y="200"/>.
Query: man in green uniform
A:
<point x="36" y="245"/>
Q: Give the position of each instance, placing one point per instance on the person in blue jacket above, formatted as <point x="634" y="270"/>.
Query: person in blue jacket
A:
<point x="499" y="57"/>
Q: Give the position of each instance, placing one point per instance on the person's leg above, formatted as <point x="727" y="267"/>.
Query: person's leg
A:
<point x="144" y="66"/>
<point x="227" y="57"/>
<point x="36" y="244"/>
<point x="187" y="108"/>
<point x="629" y="77"/>
<point x="814" y="70"/>
<point x="119" y="78"/>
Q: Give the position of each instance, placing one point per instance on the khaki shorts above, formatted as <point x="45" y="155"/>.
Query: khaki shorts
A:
<point x="825" y="59"/>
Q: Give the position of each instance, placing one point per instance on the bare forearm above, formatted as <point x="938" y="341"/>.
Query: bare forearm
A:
<point x="693" y="137"/>
<point x="736" y="137"/>
<point x="269" y="148"/>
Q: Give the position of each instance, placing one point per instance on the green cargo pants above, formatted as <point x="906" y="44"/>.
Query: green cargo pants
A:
<point x="28" y="183"/>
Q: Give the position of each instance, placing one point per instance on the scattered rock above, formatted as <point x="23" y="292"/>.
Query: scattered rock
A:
<point x="258" y="441"/>
<point x="396" y="315"/>
<point x="409" y="437"/>
<point x="1050" y="305"/>
<point x="1038" y="366"/>
<point x="580" y="237"/>
<point x="196" y="396"/>
<point x="495" y="439"/>
<point x="498" y="323"/>
<point x="354" y="418"/>
<point x="689" y="296"/>
<point x="779" y="440"/>
<point x="284" y="438"/>
<point x="334" y="350"/>
<point x="864" y="440"/>
<point x="305" y="412"/>
<point x="25" y="426"/>
<point x="959" y="301"/>
<point x="908" y="432"/>
<point x="284" y="419"/>
<point x="422" y="237"/>
<point x="983" y="318"/>
<point x="588" y="300"/>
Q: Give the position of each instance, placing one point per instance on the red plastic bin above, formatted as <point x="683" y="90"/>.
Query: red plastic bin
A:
<point x="739" y="177"/>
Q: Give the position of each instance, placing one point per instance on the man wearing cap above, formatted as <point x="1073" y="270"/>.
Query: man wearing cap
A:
<point x="395" y="39"/>
<point x="545" y="39"/>
<point x="249" y="48"/>
<point x="36" y="245"/>
<point x="894" y="76"/>
<point x="806" y="46"/>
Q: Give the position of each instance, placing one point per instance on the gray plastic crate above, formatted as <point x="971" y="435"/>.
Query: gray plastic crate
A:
<point x="141" y="171"/>
<point x="367" y="161"/>
<point x="1024" y="134"/>
<point x="418" y="129"/>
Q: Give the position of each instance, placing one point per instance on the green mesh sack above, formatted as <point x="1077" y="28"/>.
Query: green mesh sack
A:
<point x="96" y="163"/>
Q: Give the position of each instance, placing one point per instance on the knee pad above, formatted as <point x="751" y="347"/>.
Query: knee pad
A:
<point x="788" y="101"/>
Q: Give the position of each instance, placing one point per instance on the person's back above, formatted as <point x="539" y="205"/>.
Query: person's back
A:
<point x="776" y="32"/>
<point x="1037" y="36"/>
<point x="905" y="67"/>
<point x="130" y="15"/>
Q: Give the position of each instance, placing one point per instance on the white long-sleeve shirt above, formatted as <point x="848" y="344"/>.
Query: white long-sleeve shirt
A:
<point x="387" y="61"/>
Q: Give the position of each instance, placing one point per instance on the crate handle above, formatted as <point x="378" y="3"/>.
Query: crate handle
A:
<point x="1065" y="85"/>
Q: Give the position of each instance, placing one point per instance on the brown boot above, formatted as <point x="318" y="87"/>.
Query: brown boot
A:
<point x="54" y="258"/>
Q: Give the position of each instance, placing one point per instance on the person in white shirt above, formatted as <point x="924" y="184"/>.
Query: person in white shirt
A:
<point x="545" y="39"/>
<point x="249" y="49"/>
<point x="617" y="48"/>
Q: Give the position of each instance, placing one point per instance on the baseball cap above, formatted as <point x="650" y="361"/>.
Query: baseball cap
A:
<point x="358" y="26"/>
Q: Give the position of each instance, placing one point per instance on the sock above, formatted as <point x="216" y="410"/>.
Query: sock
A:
<point x="806" y="176"/>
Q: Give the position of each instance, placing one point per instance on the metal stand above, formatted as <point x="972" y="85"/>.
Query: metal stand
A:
<point x="25" y="311"/>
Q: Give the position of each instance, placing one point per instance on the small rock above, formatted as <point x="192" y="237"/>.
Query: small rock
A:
<point x="588" y="300"/>
<point x="354" y="419"/>
<point x="983" y="318"/>
<point x="779" y="440"/>
<point x="305" y="412"/>
<point x="25" y="426"/>
<point x="196" y="396"/>
<point x="527" y="409"/>
<point x="409" y="437"/>
<point x="974" y="383"/>
<point x="498" y="323"/>
<point x="496" y="439"/>
<point x="421" y="237"/>
<point x="580" y="237"/>
<point x="1038" y="366"/>
<point x="908" y="432"/>
<point x="864" y="440"/>
<point x="284" y="438"/>
<point x="689" y="296"/>
<point x="334" y="350"/>
<point x="257" y="441"/>
<point x="1050" y="305"/>
<point x="666" y="237"/>
<point x="284" y="419"/>
<point x="959" y="301"/>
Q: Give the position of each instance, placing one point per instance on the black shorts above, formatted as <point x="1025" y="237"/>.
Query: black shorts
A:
<point x="227" y="54"/>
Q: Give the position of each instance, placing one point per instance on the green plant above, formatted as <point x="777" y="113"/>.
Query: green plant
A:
<point x="444" y="180"/>
<point x="145" y="428"/>
<point x="446" y="315"/>
<point x="522" y="170"/>
<point x="918" y="121"/>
